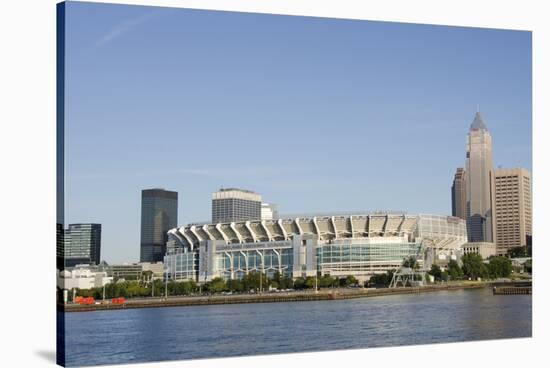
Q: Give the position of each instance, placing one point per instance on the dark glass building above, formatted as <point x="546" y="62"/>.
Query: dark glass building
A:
<point x="82" y="244"/>
<point x="458" y="194"/>
<point x="159" y="213"/>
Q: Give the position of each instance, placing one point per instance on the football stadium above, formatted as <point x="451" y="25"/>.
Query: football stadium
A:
<point x="360" y="245"/>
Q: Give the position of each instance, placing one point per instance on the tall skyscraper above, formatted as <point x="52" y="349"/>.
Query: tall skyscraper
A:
<point x="458" y="193"/>
<point x="480" y="194"/>
<point x="233" y="204"/>
<point x="159" y="213"/>
<point x="82" y="244"/>
<point x="513" y="209"/>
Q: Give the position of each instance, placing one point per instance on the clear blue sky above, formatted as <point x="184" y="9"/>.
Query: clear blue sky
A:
<point x="315" y="114"/>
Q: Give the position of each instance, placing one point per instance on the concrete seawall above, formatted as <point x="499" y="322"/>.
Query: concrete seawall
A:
<point x="297" y="296"/>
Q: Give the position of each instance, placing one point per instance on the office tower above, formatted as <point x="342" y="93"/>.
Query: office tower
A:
<point x="233" y="204"/>
<point x="82" y="244"/>
<point x="513" y="209"/>
<point x="159" y="213"/>
<point x="269" y="211"/>
<point x="458" y="193"/>
<point x="480" y="196"/>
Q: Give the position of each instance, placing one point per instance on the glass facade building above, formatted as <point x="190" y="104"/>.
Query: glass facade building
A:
<point x="182" y="265"/>
<point x="159" y="213"/>
<point x="81" y="244"/>
<point x="352" y="256"/>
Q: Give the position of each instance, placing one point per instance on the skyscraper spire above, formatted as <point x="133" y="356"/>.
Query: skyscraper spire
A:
<point x="478" y="123"/>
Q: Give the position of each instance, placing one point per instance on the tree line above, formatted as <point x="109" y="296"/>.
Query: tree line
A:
<point x="256" y="281"/>
<point x="252" y="282"/>
<point x="472" y="267"/>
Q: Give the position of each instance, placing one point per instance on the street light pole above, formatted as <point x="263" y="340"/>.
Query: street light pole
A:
<point x="261" y="271"/>
<point x="166" y="283"/>
<point x="316" y="282"/>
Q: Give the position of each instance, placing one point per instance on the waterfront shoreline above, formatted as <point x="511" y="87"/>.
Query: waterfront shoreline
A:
<point x="297" y="296"/>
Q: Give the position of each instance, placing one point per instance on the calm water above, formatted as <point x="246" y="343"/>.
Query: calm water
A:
<point x="141" y="335"/>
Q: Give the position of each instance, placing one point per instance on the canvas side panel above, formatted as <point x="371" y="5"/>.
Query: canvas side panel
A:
<point x="60" y="175"/>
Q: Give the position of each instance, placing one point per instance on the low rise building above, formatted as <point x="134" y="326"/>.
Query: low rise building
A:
<point x="270" y="211"/>
<point x="82" y="277"/>
<point x="156" y="268"/>
<point x="484" y="249"/>
<point x="134" y="271"/>
<point x="126" y="271"/>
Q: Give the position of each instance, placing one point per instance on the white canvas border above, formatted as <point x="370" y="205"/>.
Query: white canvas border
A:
<point x="27" y="144"/>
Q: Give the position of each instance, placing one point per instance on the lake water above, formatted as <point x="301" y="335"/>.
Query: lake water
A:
<point x="155" y="334"/>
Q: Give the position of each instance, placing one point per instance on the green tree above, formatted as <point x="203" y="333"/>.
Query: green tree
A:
<point x="216" y="285"/>
<point x="500" y="267"/>
<point x="435" y="271"/>
<point x="299" y="283"/>
<point x="251" y="281"/>
<point x="381" y="280"/>
<point x="351" y="280"/>
<point x="286" y="283"/>
<point x="473" y="266"/>
<point x="454" y="271"/>
<point x="235" y="285"/>
<point x="133" y="289"/>
<point x="309" y="282"/>
<point x="173" y="288"/>
<point x="277" y="277"/>
<point x="189" y="287"/>
<point x="158" y="287"/>
<point x="517" y="252"/>
<point x="326" y="281"/>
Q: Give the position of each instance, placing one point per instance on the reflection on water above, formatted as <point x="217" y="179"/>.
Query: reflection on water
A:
<point x="140" y="335"/>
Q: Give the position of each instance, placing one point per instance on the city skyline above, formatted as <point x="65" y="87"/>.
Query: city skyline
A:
<point x="347" y="103"/>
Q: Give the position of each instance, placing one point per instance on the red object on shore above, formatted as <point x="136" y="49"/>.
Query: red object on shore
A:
<point x="84" y="300"/>
<point x="118" y="300"/>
